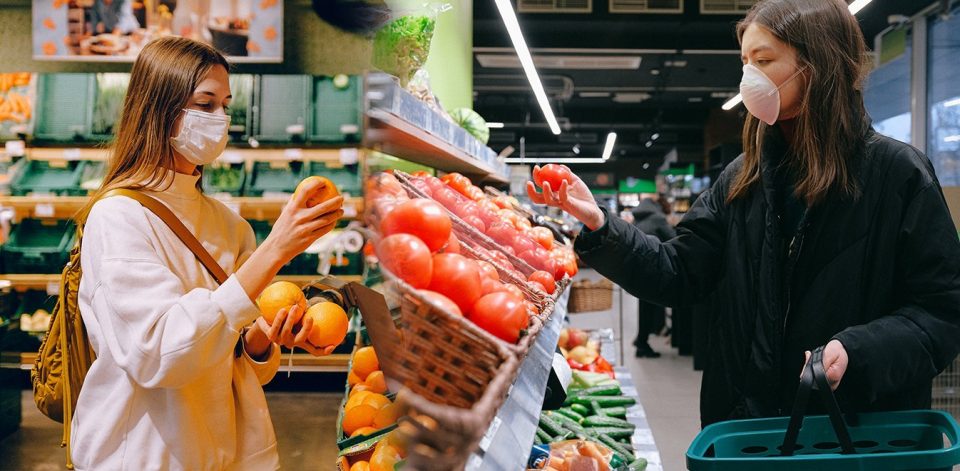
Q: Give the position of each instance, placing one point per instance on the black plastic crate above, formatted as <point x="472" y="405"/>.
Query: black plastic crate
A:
<point x="38" y="246"/>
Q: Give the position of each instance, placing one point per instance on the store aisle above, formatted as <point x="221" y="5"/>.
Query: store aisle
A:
<point x="305" y="424"/>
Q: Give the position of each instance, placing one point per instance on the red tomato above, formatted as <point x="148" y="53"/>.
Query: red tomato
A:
<point x="513" y="289"/>
<point x="422" y="218"/>
<point x="543" y="236"/>
<point x="538" y="285"/>
<point x="489" y="285"/>
<point x="488" y="217"/>
<point x="435" y="183"/>
<point x="502" y="314"/>
<point x="466" y="208"/>
<point x="544" y="279"/>
<point x="502" y="202"/>
<point x="422" y="185"/>
<point x="510" y="216"/>
<point x="474" y="193"/>
<point x="502" y="232"/>
<point x="453" y="244"/>
<point x="554" y="174"/>
<point x="385" y="183"/>
<point x="407" y="257"/>
<point x="522" y="244"/>
<point x="421" y="174"/>
<point x="565" y="263"/>
<point x="475" y="222"/>
<point x="523" y="224"/>
<point x="508" y="250"/>
<point x="457" y="182"/>
<point x="488" y="270"/>
<point x="488" y="205"/>
<point x="440" y="300"/>
<point x="457" y="278"/>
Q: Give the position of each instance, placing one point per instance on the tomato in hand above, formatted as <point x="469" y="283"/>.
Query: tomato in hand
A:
<point x="502" y="314"/>
<point x="544" y="279"/>
<point x="457" y="278"/>
<point x="440" y="300"/>
<point x="554" y="174"/>
<point x="407" y="257"/>
<point x="422" y="218"/>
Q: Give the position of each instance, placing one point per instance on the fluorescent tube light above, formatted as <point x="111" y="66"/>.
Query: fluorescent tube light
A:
<point x="732" y="102"/>
<point x="554" y="160"/>
<point x="953" y="138"/>
<point x="858" y="5"/>
<point x="495" y="125"/>
<point x="608" y="147"/>
<point x="953" y="102"/>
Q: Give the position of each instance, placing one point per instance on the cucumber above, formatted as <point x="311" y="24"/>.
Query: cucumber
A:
<point x="597" y="410"/>
<point x="605" y="401"/>
<point x="612" y="411"/>
<point x="611" y="390"/>
<point x="625" y="452"/>
<point x="604" y="421"/>
<point x="542" y="436"/>
<point x="612" y="432"/>
<point x="550" y="426"/>
<point x="559" y="438"/>
<point x="582" y="409"/>
<point x="571" y="414"/>
<point x="640" y="464"/>
<point x="571" y="425"/>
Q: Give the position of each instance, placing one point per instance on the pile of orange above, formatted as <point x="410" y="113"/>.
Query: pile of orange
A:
<point x="383" y="457"/>
<point x="367" y="409"/>
<point x="365" y="375"/>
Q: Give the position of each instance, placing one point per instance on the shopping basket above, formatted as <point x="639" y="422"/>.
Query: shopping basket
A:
<point x="904" y="440"/>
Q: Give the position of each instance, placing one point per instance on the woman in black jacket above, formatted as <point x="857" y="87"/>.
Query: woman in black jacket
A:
<point x="822" y="232"/>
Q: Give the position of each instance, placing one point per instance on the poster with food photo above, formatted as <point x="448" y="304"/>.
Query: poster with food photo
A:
<point x="116" y="30"/>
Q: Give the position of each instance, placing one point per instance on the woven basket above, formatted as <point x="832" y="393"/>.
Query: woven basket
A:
<point x="587" y="296"/>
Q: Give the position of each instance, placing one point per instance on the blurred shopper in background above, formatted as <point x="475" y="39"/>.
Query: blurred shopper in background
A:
<point x="650" y="216"/>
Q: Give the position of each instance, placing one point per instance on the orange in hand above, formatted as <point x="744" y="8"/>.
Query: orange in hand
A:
<point x="279" y="295"/>
<point x="330" y="324"/>
<point x="321" y="189"/>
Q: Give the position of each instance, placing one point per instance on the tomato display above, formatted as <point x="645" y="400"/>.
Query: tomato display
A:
<point x="458" y="182"/>
<point x="422" y="218"/>
<point x="488" y="270"/>
<point x="501" y="313"/>
<point x="453" y="244"/>
<point x="543" y="236"/>
<point x="440" y="300"/>
<point x="457" y="278"/>
<point x="554" y="174"/>
<point x="545" y="280"/>
<point x="407" y="257"/>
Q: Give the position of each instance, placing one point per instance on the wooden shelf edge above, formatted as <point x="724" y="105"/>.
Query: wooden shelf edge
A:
<point x="41" y="281"/>
<point x="302" y="362"/>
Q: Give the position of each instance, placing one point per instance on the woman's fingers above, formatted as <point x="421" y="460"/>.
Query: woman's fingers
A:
<point x="274" y="332"/>
<point x="301" y="337"/>
<point x="311" y="349"/>
<point x="564" y="193"/>
<point x="532" y="193"/>
<point x="329" y="350"/>
<point x="550" y="196"/>
<point x="325" y="208"/>
<point x="293" y="318"/>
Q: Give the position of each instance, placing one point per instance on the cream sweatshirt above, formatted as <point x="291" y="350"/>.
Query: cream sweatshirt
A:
<point x="166" y="391"/>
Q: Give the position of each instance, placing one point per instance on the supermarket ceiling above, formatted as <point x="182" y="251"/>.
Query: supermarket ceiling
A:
<point x="636" y="74"/>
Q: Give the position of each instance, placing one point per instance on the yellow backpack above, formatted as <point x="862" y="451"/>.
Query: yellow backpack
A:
<point x="65" y="355"/>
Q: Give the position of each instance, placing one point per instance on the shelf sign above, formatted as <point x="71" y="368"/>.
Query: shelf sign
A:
<point x="53" y="288"/>
<point x="71" y="154"/>
<point x="44" y="211"/>
<point x="293" y="154"/>
<point x="491" y="432"/>
<point x="349" y="156"/>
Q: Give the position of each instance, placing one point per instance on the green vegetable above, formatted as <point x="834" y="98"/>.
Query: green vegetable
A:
<point x="612" y="432"/>
<point x="620" y="412"/>
<point x="401" y="47"/>
<point x="472" y="122"/>
<point x="606" y="390"/>
<point x="625" y="452"/>
<point x="588" y="379"/>
<point x="603" y="421"/>
<point x="224" y="178"/>
<point x="571" y="414"/>
<point x="559" y="438"/>
<point x="639" y="465"/>
<point x="542" y="436"/>
<point x="571" y="425"/>
<point x="582" y="409"/>
<point x="605" y="401"/>
<point x="550" y="426"/>
<point x="596" y="408"/>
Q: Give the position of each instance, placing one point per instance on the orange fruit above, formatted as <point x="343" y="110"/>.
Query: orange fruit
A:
<point x="353" y="379"/>
<point x="365" y="362"/>
<point x="356" y="399"/>
<point x="384" y="458"/>
<point x="376" y="382"/>
<point x="377" y="401"/>
<point x="330" y="324"/>
<point x="395" y="439"/>
<point x="363" y="431"/>
<point x="320" y="188"/>
<point x="386" y="416"/>
<point x="279" y="295"/>
<point x="360" y="466"/>
<point x="357" y="417"/>
<point x="358" y="388"/>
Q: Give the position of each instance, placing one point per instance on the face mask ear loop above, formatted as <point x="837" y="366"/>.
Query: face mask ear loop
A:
<point x="795" y="74"/>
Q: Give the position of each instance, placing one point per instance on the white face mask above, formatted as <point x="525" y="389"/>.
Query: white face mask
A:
<point x="202" y="136"/>
<point x="760" y="95"/>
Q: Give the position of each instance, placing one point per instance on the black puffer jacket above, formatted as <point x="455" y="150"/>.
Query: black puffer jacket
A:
<point x="648" y="217"/>
<point x="880" y="273"/>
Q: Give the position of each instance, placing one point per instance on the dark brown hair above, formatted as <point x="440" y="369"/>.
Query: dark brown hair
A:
<point x="164" y="77"/>
<point x="832" y="121"/>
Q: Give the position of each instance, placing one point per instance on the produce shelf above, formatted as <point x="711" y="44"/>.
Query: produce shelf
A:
<point x="509" y="439"/>
<point x="302" y="362"/>
<point x="61" y="207"/>
<point x="42" y="282"/>
<point x="231" y="154"/>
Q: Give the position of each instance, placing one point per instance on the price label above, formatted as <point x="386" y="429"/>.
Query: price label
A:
<point x="349" y="129"/>
<point x="491" y="432"/>
<point x="349" y="156"/>
<point x="293" y="154"/>
<point x="44" y="210"/>
<point x="232" y="157"/>
<point x="53" y="288"/>
<point x="349" y="211"/>
<point x="71" y="154"/>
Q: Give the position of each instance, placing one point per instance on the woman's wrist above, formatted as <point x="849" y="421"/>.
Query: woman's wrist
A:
<point x="256" y="343"/>
<point x="595" y="219"/>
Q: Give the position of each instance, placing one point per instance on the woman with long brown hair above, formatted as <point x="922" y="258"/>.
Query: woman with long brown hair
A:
<point x="822" y="233"/>
<point x="180" y="359"/>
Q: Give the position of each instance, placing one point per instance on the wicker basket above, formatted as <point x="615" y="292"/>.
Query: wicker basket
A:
<point x="588" y="296"/>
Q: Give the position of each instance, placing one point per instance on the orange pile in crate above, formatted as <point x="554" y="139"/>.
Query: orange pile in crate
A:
<point x="367" y="409"/>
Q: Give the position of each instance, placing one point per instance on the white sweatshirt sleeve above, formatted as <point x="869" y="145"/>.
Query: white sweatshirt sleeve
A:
<point x="162" y="333"/>
<point x="267" y="368"/>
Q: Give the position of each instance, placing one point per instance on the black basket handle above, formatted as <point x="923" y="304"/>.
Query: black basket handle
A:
<point x="815" y="378"/>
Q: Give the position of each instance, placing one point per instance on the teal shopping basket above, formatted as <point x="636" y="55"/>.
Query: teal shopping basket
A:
<point x="879" y="441"/>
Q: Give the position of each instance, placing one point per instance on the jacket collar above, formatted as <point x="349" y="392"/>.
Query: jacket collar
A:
<point x="773" y="150"/>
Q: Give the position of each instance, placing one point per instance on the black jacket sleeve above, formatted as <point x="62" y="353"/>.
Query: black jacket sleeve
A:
<point x="679" y="271"/>
<point x="921" y="336"/>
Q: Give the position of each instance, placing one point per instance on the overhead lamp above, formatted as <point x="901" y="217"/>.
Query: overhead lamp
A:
<point x="953" y="102"/>
<point x="953" y="138"/>
<point x="576" y="149"/>
<point x="854" y="7"/>
<point x="655" y="136"/>
<point x="608" y="147"/>
<point x="552" y="160"/>
<point x="495" y="125"/>
<point x="646" y="165"/>
<point x="513" y="29"/>
<point x="648" y="145"/>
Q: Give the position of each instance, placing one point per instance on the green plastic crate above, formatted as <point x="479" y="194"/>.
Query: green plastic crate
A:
<point x="109" y="92"/>
<point x="38" y="246"/>
<point x="269" y="177"/>
<point x="300" y="265"/>
<point x="346" y="178"/>
<point x="883" y="441"/>
<point x="64" y="110"/>
<point x="241" y="87"/>
<point x="10" y="402"/>
<point x="336" y="111"/>
<point x="40" y="177"/>
<point x="283" y="101"/>
<point x="216" y="179"/>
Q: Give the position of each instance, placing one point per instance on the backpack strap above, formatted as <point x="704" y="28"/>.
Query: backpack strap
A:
<point x="172" y="221"/>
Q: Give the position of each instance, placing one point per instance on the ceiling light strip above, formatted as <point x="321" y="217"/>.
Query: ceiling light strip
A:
<point x="513" y="28"/>
<point x="608" y="147"/>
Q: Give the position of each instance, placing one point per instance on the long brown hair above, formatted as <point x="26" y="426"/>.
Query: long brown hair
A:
<point x="164" y="77"/>
<point x="832" y="120"/>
